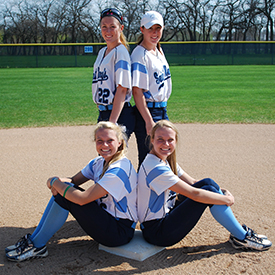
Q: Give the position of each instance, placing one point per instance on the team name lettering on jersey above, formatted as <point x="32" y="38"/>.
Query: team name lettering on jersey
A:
<point x="160" y="78"/>
<point x="100" y="76"/>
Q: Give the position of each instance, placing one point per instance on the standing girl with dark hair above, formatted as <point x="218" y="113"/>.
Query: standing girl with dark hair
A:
<point x="151" y="79"/>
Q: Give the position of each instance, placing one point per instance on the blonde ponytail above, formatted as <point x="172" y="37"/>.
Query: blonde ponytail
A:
<point x="123" y="40"/>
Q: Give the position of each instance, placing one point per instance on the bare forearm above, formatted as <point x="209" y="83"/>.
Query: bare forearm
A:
<point x="188" y="179"/>
<point x="143" y="109"/>
<point x="74" y="195"/>
<point x="201" y="195"/>
<point x="118" y="104"/>
<point x="209" y="197"/>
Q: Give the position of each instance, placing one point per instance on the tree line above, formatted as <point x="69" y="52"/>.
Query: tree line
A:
<point x="77" y="21"/>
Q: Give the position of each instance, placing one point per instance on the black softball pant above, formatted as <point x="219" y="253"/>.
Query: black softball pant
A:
<point x="126" y="118"/>
<point x="180" y="220"/>
<point x="98" y="223"/>
<point x="142" y="138"/>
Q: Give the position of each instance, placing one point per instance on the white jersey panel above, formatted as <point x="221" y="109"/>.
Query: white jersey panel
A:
<point x="179" y="171"/>
<point x="155" y="177"/>
<point x="109" y="72"/>
<point x="120" y="181"/>
<point x="151" y="73"/>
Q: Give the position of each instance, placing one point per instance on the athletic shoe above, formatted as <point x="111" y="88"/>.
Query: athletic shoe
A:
<point x="252" y="232"/>
<point x="19" y="243"/>
<point x="251" y="241"/>
<point x="26" y="251"/>
<point x="246" y="228"/>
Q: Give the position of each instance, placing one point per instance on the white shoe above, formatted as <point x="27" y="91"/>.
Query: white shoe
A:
<point x="251" y="241"/>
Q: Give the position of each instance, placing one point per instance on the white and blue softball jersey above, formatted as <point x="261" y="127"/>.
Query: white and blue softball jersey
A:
<point x="151" y="73"/>
<point x="110" y="71"/>
<point x="155" y="177"/>
<point x="120" y="181"/>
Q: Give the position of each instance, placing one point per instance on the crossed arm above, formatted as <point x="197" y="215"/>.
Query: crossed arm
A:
<point x="74" y="195"/>
<point x="185" y="188"/>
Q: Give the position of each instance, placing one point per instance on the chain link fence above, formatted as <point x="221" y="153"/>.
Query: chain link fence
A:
<point x="177" y="53"/>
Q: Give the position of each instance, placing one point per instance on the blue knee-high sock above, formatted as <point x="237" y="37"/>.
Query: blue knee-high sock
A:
<point x="52" y="220"/>
<point x="224" y="215"/>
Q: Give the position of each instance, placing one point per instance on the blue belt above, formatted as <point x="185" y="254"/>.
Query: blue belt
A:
<point x="157" y="104"/>
<point x="105" y="107"/>
<point x="110" y="107"/>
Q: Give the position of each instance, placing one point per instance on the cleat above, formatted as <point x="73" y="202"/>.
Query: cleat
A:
<point x="253" y="232"/>
<point x="19" y="243"/>
<point x="251" y="241"/>
<point x="26" y="251"/>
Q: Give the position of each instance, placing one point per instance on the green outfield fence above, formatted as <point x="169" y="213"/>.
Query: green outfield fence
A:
<point x="177" y="53"/>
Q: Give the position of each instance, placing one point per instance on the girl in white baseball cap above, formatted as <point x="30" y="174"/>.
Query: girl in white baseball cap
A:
<point x="151" y="79"/>
<point x="151" y="18"/>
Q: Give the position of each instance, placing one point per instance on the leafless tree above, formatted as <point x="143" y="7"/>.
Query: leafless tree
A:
<point x="132" y="12"/>
<point x="27" y="21"/>
<point x="267" y="8"/>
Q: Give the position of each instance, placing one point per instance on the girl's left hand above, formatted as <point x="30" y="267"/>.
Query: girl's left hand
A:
<point x="54" y="192"/>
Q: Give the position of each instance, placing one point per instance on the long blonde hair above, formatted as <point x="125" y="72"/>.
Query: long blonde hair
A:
<point x="121" y="136"/>
<point x="124" y="41"/>
<point x="171" y="158"/>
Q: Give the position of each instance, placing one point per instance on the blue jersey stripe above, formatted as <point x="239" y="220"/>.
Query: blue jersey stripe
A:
<point x="155" y="173"/>
<point x="123" y="176"/>
<point x="139" y="67"/>
<point x="121" y="205"/>
<point x="156" y="202"/>
<point x="122" y="64"/>
<point x="147" y="94"/>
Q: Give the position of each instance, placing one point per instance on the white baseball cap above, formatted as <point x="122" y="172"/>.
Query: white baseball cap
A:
<point x="151" y="18"/>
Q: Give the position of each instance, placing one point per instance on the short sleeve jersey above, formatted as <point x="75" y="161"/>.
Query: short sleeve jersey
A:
<point x="155" y="177"/>
<point x="151" y="73"/>
<point x="120" y="181"/>
<point x="110" y="71"/>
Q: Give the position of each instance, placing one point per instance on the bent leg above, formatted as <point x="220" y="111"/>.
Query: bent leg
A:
<point x="98" y="223"/>
<point x="180" y="220"/>
<point x="175" y="225"/>
<point x="52" y="220"/>
<point x="222" y="213"/>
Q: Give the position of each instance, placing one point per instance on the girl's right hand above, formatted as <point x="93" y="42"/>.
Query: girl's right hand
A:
<point x="149" y="127"/>
<point x="229" y="197"/>
<point x="52" y="179"/>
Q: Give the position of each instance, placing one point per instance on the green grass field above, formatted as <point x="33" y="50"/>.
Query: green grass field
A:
<point x="201" y="94"/>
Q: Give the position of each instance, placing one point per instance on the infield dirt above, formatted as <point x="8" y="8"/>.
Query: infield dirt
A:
<point x="238" y="157"/>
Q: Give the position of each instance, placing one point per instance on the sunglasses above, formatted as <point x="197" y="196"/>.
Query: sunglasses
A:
<point x="112" y="12"/>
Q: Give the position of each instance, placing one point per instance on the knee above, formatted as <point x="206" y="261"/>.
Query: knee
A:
<point x="210" y="185"/>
